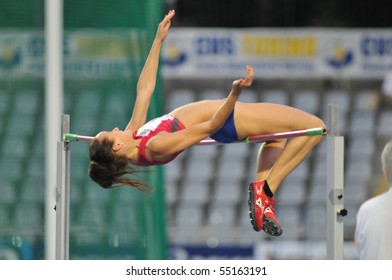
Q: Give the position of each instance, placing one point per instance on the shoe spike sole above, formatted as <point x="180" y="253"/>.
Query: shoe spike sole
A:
<point x="270" y="227"/>
<point x="252" y="214"/>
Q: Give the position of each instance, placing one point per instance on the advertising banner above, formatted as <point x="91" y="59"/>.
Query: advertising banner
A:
<point x="277" y="53"/>
<point x="86" y="53"/>
<point x="208" y="53"/>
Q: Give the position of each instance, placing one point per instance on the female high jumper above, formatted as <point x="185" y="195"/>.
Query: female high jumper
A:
<point x="112" y="153"/>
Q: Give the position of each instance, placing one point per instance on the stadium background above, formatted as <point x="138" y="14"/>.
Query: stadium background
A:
<point x="191" y="214"/>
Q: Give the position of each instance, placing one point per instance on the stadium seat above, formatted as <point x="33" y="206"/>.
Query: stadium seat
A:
<point x="179" y="97"/>
<point x="306" y="100"/>
<point x="341" y="98"/>
<point x="292" y="193"/>
<point x="4" y="215"/>
<point x="203" y="153"/>
<point x="362" y="124"/>
<point x="362" y="101"/>
<point x="221" y="215"/>
<point x="4" y="102"/>
<point x="317" y="193"/>
<point x="212" y="94"/>
<point x="198" y="171"/>
<point x="195" y="192"/>
<point x="277" y="96"/>
<point x="231" y="170"/>
<point x="228" y="191"/>
<point x="249" y="96"/>
<point x="20" y="125"/>
<point x="87" y="104"/>
<point x="27" y="102"/>
<point x="28" y="216"/>
<point x="11" y="167"/>
<point x="232" y="152"/>
<point x="33" y="190"/>
<point x="95" y="193"/>
<point x="8" y="192"/>
<point x="384" y="128"/>
<point x="84" y="125"/>
<point x="315" y="217"/>
<point x="360" y="170"/>
<point x="90" y="214"/>
<point x="355" y="192"/>
<point x="122" y="216"/>
<point x="173" y="171"/>
<point x="188" y="216"/>
<point x="291" y="221"/>
<point x="171" y="193"/>
<point x="361" y="148"/>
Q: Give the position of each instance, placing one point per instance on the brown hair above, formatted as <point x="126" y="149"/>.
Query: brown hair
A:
<point x="109" y="170"/>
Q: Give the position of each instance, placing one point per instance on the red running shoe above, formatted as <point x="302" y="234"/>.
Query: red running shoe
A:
<point x="261" y="210"/>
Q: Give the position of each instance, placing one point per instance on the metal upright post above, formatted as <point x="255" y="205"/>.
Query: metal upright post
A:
<point x="335" y="191"/>
<point x="63" y="192"/>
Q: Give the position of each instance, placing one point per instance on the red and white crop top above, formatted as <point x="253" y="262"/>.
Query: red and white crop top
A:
<point x="166" y="123"/>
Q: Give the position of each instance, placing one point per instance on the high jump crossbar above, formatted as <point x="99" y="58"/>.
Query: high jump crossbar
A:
<point x="251" y="139"/>
<point x="334" y="199"/>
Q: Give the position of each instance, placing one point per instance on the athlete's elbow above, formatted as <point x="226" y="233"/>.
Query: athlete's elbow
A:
<point x="212" y="126"/>
<point x="144" y="90"/>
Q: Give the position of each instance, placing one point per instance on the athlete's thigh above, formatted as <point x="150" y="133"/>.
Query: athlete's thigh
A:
<point x="264" y="118"/>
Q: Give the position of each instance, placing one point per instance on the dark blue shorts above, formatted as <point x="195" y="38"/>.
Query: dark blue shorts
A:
<point x="227" y="133"/>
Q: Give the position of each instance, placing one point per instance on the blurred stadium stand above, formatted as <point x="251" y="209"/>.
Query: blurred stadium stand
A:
<point x="206" y="187"/>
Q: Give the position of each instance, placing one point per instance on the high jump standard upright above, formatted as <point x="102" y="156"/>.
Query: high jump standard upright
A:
<point x="335" y="186"/>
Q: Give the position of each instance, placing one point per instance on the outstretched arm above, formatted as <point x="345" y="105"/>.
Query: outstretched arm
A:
<point x="219" y="118"/>
<point x="146" y="83"/>
<point x="166" y="144"/>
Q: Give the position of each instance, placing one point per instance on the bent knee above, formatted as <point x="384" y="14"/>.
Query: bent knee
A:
<point x="317" y="122"/>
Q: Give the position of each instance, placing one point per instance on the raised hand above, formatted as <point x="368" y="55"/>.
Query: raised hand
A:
<point x="164" y="25"/>
<point x="247" y="82"/>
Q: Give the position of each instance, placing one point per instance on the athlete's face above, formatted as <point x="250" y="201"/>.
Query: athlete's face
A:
<point x="117" y="136"/>
<point x="109" y="135"/>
